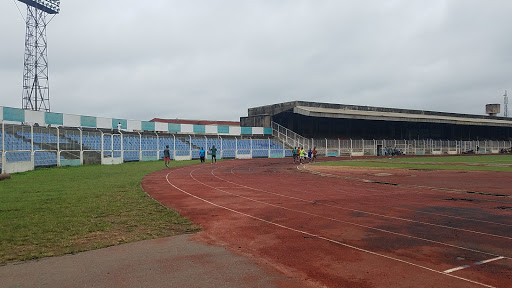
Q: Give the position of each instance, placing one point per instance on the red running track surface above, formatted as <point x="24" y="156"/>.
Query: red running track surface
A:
<point x="336" y="227"/>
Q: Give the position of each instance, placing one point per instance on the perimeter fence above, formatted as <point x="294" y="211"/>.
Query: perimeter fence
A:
<point x="24" y="147"/>
<point x="365" y="147"/>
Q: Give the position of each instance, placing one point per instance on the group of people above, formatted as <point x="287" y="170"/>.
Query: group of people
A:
<point x="299" y="155"/>
<point x="213" y="152"/>
<point x="202" y="155"/>
<point x="392" y="151"/>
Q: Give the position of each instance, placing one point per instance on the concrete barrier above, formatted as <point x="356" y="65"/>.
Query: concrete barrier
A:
<point x="111" y="160"/>
<point x="243" y="156"/>
<point x="15" y="167"/>
<point x="183" y="158"/>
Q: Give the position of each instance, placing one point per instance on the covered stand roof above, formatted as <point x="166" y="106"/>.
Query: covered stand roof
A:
<point x="329" y="110"/>
<point x="456" y="119"/>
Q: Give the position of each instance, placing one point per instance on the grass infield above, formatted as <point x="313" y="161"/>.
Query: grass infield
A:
<point x="56" y="211"/>
<point x="500" y="163"/>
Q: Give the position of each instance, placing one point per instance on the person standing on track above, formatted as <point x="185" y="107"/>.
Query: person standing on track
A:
<point x="214" y="153"/>
<point x="314" y="154"/>
<point x="294" y="152"/>
<point x="302" y="154"/>
<point x="310" y="155"/>
<point x="201" y="154"/>
<point x="167" y="156"/>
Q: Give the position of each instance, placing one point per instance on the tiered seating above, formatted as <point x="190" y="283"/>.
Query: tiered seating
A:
<point x="182" y="148"/>
<point x="42" y="137"/>
<point x="216" y="142"/>
<point x="19" y="146"/>
<point x="17" y="156"/>
<point x="131" y="143"/>
<point x="149" y="143"/>
<point x="130" y="156"/>
<point x="244" y="146"/>
<point x="15" y="144"/>
<point x="276" y="147"/>
<point x="45" y="159"/>
<point x="131" y="146"/>
<point x="162" y="142"/>
<point x="107" y="143"/>
<point x="117" y="143"/>
<point x="149" y="146"/>
<point x="260" y="148"/>
<point x="228" y="148"/>
<point x="91" y="142"/>
<point x="198" y="143"/>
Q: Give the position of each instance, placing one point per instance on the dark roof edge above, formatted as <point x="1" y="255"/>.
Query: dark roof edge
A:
<point x="293" y="104"/>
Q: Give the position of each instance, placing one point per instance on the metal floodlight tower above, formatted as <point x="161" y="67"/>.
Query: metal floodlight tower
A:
<point x="36" y="90"/>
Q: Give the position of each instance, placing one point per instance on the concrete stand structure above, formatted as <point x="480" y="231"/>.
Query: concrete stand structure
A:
<point x="339" y="121"/>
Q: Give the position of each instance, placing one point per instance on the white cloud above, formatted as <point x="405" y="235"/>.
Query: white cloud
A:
<point x="215" y="59"/>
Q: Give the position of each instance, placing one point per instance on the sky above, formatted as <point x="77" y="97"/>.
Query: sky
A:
<point x="214" y="59"/>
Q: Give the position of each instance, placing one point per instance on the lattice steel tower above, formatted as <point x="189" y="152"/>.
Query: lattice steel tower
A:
<point x="36" y="90"/>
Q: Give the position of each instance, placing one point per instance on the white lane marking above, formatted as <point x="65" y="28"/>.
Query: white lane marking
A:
<point x="387" y="195"/>
<point x="476" y="263"/>
<point x="332" y="219"/>
<point x="370" y="213"/>
<point x="426" y="223"/>
<point x="489" y="260"/>
<point x="450" y="190"/>
<point x="318" y="236"/>
<point x="456" y="269"/>
<point x="416" y="192"/>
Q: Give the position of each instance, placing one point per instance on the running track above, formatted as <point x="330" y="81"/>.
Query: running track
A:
<point x="329" y="229"/>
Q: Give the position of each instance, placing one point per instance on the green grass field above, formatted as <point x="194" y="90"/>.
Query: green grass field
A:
<point x="56" y="211"/>
<point x="500" y="163"/>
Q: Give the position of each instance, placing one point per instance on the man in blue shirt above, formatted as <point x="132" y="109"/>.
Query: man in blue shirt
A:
<point x="201" y="154"/>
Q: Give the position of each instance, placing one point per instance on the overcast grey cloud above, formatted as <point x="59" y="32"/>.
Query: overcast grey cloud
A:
<point x="214" y="59"/>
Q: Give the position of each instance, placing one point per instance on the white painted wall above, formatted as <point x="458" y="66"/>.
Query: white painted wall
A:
<point x="187" y="128"/>
<point x="133" y="125"/>
<point x="15" y="167"/>
<point x="233" y="130"/>
<point x="71" y="120"/>
<point x="159" y="126"/>
<point x="210" y="129"/>
<point x="33" y="117"/>
<point x="257" y="130"/>
<point x="104" y="123"/>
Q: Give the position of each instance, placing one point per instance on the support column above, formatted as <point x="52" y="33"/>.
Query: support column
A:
<point x="58" y="147"/>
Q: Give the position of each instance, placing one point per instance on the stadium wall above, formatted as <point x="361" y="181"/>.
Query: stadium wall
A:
<point x="16" y="115"/>
<point x="25" y="147"/>
<point x="334" y="121"/>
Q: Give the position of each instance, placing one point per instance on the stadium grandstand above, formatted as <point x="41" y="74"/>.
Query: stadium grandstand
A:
<point x="338" y="129"/>
<point x="324" y="120"/>
<point x="31" y="139"/>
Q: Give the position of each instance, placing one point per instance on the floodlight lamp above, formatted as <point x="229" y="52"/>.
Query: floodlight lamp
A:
<point x="48" y="6"/>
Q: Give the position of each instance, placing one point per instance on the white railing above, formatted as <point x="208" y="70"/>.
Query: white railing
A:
<point x="24" y="147"/>
<point x="290" y="138"/>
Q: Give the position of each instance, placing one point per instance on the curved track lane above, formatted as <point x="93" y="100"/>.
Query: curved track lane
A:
<point x="339" y="232"/>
